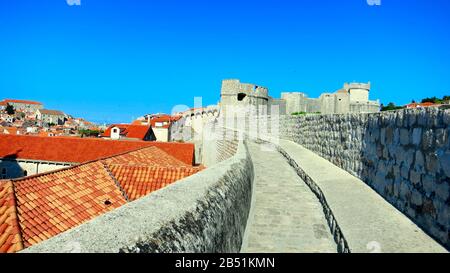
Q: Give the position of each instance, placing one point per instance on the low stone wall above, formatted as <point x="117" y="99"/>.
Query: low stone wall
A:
<point x="218" y="144"/>
<point x="206" y="212"/>
<point x="403" y="155"/>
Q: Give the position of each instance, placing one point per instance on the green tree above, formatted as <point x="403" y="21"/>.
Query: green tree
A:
<point x="432" y="100"/>
<point x="10" y="109"/>
<point x="390" y="107"/>
<point x="89" y="133"/>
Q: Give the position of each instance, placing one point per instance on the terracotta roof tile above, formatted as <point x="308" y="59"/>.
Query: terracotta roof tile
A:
<point x="22" y="101"/>
<point x="36" y="208"/>
<point x="10" y="237"/>
<point x="424" y="104"/>
<point x="51" y="112"/>
<point x="79" y="150"/>
<point x="138" y="181"/>
<point x="146" y="156"/>
<point x="129" y="130"/>
<point x="51" y="202"/>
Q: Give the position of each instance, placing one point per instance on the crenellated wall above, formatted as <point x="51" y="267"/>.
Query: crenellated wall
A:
<point x="403" y="155"/>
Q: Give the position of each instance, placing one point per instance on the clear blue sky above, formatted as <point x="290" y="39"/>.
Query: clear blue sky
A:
<point x="112" y="60"/>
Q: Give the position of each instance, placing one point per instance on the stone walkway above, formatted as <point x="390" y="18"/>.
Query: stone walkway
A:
<point x="285" y="215"/>
<point x="369" y="223"/>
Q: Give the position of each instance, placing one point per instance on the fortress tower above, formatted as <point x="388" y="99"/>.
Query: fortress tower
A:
<point x="353" y="98"/>
<point x="358" y="91"/>
<point x="237" y="95"/>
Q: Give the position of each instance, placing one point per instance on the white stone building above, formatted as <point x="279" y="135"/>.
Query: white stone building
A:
<point x="352" y="98"/>
<point x="25" y="106"/>
<point x="50" y="116"/>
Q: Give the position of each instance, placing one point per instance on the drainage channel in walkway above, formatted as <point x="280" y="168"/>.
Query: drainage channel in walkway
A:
<point x="285" y="216"/>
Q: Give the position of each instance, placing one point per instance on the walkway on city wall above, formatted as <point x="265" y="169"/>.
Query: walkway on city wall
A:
<point x="285" y="215"/>
<point x="289" y="215"/>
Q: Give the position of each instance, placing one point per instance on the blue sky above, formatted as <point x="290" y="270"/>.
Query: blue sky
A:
<point x="114" y="60"/>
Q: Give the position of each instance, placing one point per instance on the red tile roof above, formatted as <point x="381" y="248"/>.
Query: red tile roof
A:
<point x="22" y="101"/>
<point x="146" y="156"/>
<point x="10" y="238"/>
<point x="137" y="122"/>
<point x="36" y="208"/>
<point x="11" y="130"/>
<point x="78" y="150"/>
<point x="129" y="131"/>
<point x="161" y="119"/>
<point x="51" y="112"/>
<point x="424" y="104"/>
<point x="138" y="181"/>
<point x="52" y="203"/>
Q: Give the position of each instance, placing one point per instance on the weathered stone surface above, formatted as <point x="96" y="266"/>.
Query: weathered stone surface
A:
<point x="413" y="145"/>
<point x="445" y="163"/>
<point x="417" y="136"/>
<point x="420" y="161"/>
<point x="428" y="184"/>
<point x="428" y="139"/>
<point x="442" y="191"/>
<point x="441" y="137"/>
<point x="416" y="198"/>
<point x="432" y="163"/>
<point x="414" y="177"/>
<point x="404" y="136"/>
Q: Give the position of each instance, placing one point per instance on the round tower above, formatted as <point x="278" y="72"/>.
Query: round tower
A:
<point x="358" y="91"/>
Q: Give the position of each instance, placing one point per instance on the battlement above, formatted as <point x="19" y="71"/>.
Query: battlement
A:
<point x="360" y="86"/>
<point x="234" y="87"/>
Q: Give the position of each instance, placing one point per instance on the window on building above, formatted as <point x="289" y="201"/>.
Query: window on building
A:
<point x="25" y="173"/>
<point x="241" y="96"/>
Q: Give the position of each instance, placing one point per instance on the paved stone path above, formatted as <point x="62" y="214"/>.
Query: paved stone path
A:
<point x="285" y="215"/>
<point x="368" y="222"/>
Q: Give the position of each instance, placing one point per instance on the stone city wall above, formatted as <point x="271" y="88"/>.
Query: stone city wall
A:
<point x="403" y="155"/>
<point x="206" y="212"/>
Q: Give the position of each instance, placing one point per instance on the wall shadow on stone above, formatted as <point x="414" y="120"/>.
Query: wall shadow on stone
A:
<point x="11" y="167"/>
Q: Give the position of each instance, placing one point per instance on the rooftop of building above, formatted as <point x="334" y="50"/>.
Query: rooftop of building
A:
<point x="79" y="150"/>
<point x="162" y="121"/>
<point x="36" y="208"/>
<point x="22" y="101"/>
<point x="129" y="130"/>
<point x="51" y="112"/>
<point x="423" y="104"/>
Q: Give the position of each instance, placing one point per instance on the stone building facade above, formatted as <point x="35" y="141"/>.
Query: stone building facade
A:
<point x="352" y="98"/>
<point x="239" y="97"/>
<point x="24" y="105"/>
<point x="50" y="116"/>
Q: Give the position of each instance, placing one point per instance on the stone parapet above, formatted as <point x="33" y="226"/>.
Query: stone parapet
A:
<point x="206" y="212"/>
<point x="403" y="155"/>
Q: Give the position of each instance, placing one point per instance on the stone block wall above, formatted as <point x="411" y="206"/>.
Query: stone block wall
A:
<point x="403" y="155"/>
